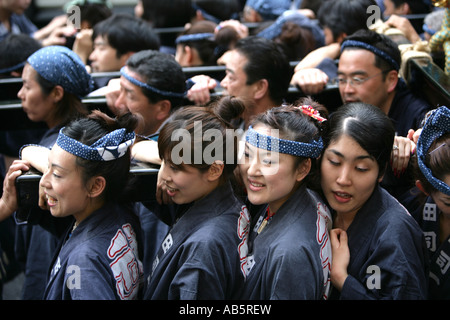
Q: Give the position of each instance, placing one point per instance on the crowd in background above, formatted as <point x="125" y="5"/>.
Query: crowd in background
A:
<point x="358" y="207"/>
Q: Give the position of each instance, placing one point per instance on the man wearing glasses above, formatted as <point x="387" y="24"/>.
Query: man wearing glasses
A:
<point x="368" y="71"/>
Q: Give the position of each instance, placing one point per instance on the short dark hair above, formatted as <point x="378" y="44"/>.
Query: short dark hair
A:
<point x="15" y="50"/>
<point x="381" y="42"/>
<point x="219" y="9"/>
<point x="93" y="13"/>
<point x="266" y="60"/>
<point x="126" y="33"/>
<point x="344" y="16"/>
<point x="159" y="70"/>
<point x="368" y="126"/>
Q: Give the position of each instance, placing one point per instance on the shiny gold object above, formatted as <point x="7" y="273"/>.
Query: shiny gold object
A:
<point x="440" y="3"/>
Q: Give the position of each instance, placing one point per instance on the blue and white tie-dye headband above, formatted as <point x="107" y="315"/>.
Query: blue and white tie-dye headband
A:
<point x="359" y="44"/>
<point x="110" y="147"/>
<point x="61" y="66"/>
<point x="436" y="125"/>
<point x="149" y="87"/>
<point x="295" y="148"/>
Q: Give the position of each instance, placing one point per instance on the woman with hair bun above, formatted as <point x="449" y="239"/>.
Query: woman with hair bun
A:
<point x="203" y="255"/>
<point x="98" y="257"/>
<point x="54" y="82"/>
<point x="289" y="250"/>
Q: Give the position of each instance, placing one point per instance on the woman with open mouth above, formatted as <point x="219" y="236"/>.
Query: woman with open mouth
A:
<point x="98" y="257"/>
<point x="203" y="256"/>
<point x="378" y="248"/>
<point x="289" y="249"/>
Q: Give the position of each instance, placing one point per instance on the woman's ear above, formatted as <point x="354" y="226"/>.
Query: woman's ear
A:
<point x="215" y="170"/>
<point x="303" y="169"/>
<point x="57" y="93"/>
<point x="96" y="187"/>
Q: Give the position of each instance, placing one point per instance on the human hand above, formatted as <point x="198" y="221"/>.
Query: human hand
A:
<point x="240" y="28"/>
<point x="59" y="36"/>
<point x="83" y="44"/>
<point x="8" y="201"/>
<point x="414" y="135"/>
<point x="405" y="26"/>
<point x="310" y="80"/>
<point x="112" y="93"/>
<point x="401" y="153"/>
<point x="340" y="257"/>
<point x="199" y="92"/>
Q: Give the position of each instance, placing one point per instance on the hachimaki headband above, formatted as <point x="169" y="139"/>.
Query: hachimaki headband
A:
<point x="374" y="50"/>
<point x="149" y="87"/>
<point x="295" y="148"/>
<point x="194" y="37"/>
<point x="110" y="147"/>
<point x="436" y="125"/>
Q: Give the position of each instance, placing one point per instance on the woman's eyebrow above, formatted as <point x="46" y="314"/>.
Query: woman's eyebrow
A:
<point x="361" y="157"/>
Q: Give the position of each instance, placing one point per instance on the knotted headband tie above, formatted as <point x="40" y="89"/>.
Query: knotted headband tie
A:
<point x="110" y="147"/>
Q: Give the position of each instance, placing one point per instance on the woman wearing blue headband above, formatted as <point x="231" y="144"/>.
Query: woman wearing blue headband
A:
<point x="289" y="254"/>
<point x="378" y="249"/>
<point x="54" y="81"/>
<point x="98" y="256"/>
<point x="431" y="206"/>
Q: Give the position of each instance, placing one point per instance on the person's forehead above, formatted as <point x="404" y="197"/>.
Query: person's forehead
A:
<point x="29" y="74"/>
<point x="236" y="61"/>
<point x="127" y="84"/>
<point x="101" y="40"/>
<point x="360" y="58"/>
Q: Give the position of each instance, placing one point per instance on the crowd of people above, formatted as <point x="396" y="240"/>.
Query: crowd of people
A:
<point x="303" y="201"/>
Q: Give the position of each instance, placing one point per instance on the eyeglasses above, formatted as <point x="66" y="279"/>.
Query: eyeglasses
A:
<point x="355" y="80"/>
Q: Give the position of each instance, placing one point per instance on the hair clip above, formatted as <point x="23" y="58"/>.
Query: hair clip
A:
<point x="442" y="145"/>
<point x="310" y="111"/>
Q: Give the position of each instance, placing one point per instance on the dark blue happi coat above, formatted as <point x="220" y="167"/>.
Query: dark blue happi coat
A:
<point x="388" y="253"/>
<point x="99" y="260"/>
<point x="202" y="255"/>
<point x="290" y="257"/>
<point x="427" y="215"/>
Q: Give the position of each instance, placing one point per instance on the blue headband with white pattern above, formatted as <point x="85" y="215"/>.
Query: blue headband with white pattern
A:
<point x="359" y="44"/>
<point x="110" y="147"/>
<point x="295" y="148"/>
<point x="61" y="66"/>
<point x="436" y="125"/>
<point x="149" y="87"/>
